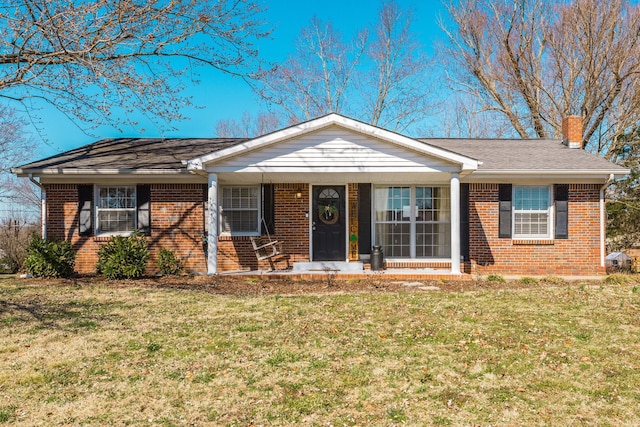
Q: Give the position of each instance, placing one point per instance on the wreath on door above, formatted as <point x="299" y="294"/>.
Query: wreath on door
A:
<point x="328" y="214"/>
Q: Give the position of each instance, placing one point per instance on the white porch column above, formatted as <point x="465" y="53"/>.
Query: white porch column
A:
<point x="43" y="211"/>
<point x="212" y="237"/>
<point x="455" y="223"/>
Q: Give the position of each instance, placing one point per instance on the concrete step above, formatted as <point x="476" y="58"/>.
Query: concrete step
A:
<point x="328" y="266"/>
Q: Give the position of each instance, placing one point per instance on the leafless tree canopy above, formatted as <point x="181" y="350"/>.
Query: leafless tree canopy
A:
<point x="86" y="57"/>
<point x="15" y="147"/>
<point x="248" y="126"/>
<point x="380" y="77"/>
<point x="533" y="62"/>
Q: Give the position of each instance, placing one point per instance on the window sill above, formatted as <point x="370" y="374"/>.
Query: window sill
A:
<point x="107" y="236"/>
<point x="228" y="237"/>
<point x="532" y="242"/>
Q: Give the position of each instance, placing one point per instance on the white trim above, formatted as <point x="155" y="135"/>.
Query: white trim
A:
<point x="466" y="163"/>
<point x="311" y="215"/>
<point x="550" y="214"/>
<point x="258" y="210"/>
<point x="212" y="236"/>
<point x="454" y="203"/>
<point x="602" y="230"/>
<point x="43" y="212"/>
<point x="603" y="221"/>
<point x="577" y="176"/>
<point x="97" y="209"/>
<point x="413" y="221"/>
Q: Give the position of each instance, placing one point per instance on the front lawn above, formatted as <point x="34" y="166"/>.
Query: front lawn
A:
<point x="99" y="353"/>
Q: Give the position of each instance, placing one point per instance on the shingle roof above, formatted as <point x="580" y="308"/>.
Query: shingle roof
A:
<point x="160" y="154"/>
<point x="127" y="154"/>
<point x="524" y="155"/>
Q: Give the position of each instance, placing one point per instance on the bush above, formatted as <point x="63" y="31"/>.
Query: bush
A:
<point x="124" y="257"/>
<point x="553" y="280"/>
<point x="618" y="279"/>
<point x="495" y="278"/>
<point x="49" y="258"/>
<point x="168" y="263"/>
<point x="528" y="281"/>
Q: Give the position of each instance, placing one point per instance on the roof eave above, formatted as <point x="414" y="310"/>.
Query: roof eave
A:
<point x="550" y="173"/>
<point x="23" y="173"/>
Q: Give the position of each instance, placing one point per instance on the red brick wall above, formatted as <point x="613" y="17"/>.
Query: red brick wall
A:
<point x="177" y="223"/>
<point x="291" y="228"/>
<point x="578" y="255"/>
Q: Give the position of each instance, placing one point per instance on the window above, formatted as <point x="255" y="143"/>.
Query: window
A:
<point x="239" y="210"/>
<point x="532" y="212"/>
<point x="421" y="232"/>
<point x="116" y="209"/>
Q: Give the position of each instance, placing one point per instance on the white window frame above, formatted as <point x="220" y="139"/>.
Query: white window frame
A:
<point x="258" y="210"/>
<point x="98" y="209"/>
<point x="412" y="219"/>
<point x="549" y="212"/>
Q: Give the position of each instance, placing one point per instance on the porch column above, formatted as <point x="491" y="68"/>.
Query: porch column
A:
<point x="212" y="237"/>
<point x="455" y="223"/>
<point x="43" y="212"/>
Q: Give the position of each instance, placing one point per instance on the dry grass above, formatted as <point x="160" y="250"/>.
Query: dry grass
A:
<point x="99" y="355"/>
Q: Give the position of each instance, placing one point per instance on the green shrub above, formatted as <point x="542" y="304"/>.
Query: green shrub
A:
<point x="168" y="263"/>
<point x="49" y="258"/>
<point x="124" y="257"/>
<point x="528" y="281"/>
<point x="495" y="278"/>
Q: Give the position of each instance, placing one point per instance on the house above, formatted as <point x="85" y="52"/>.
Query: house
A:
<point x="331" y="188"/>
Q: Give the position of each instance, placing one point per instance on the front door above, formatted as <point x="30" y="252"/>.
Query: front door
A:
<point x="328" y="223"/>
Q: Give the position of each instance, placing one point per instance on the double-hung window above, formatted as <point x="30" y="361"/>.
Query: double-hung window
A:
<point x="413" y="221"/>
<point x="115" y="209"/>
<point x="532" y="212"/>
<point x="240" y="210"/>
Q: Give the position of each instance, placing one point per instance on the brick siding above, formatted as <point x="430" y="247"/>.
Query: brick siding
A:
<point x="579" y="255"/>
<point x="291" y="228"/>
<point x="177" y="223"/>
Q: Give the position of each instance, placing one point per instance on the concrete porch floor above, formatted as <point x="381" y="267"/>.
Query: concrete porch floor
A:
<point x="391" y="274"/>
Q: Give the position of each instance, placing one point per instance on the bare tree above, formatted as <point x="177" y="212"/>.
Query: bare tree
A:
<point x="315" y="80"/>
<point x="380" y="76"/>
<point x="15" y="232"/>
<point x="15" y="147"/>
<point x="462" y="117"/>
<point x="85" y="58"/>
<point x="397" y="91"/>
<point x="248" y="126"/>
<point x="534" y="62"/>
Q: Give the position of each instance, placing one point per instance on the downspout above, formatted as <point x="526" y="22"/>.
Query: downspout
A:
<point x="43" y="205"/>
<point x="603" y="222"/>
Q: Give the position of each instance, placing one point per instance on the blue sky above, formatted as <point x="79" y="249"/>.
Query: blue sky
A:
<point x="221" y="96"/>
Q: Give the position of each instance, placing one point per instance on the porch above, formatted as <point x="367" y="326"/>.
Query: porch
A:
<point x="352" y="271"/>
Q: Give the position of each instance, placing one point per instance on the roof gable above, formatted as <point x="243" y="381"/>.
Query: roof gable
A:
<point x="349" y="126"/>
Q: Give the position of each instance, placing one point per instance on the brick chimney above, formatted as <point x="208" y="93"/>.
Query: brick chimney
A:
<point x="572" y="131"/>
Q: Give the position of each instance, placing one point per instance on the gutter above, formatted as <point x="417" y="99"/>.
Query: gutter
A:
<point x="43" y="205"/>
<point x="603" y="225"/>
